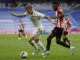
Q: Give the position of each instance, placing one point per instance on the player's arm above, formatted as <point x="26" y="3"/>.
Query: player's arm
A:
<point x="60" y="16"/>
<point x="69" y="25"/>
<point x="23" y="25"/>
<point x="22" y="15"/>
<point x="44" y="16"/>
<point x="49" y="19"/>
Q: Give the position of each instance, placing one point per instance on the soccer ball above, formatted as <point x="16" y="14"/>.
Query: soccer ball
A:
<point x="23" y="54"/>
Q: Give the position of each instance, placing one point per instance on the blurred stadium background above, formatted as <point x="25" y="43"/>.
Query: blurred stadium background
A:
<point x="9" y="24"/>
<point x="10" y="47"/>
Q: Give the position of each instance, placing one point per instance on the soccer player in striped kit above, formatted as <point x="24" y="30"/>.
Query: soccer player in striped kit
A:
<point x="67" y="25"/>
<point x="58" y="30"/>
<point x="21" y="29"/>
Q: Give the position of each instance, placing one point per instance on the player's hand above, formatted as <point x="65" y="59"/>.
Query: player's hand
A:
<point x="69" y="25"/>
<point x="13" y="14"/>
<point x="54" y="23"/>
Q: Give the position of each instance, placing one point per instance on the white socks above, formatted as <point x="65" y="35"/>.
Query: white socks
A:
<point x="39" y="43"/>
<point x="34" y="45"/>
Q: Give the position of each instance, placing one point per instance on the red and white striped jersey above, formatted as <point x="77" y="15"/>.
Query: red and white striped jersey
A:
<point x="21" y="26"/>
<point x="59" y="21"/>
<point x="66" y="25"/>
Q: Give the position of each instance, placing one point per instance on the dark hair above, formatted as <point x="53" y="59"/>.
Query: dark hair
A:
<point x="55" y="3"/>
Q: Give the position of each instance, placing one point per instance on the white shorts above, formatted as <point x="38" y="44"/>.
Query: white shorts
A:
<point x="37" y="32"/>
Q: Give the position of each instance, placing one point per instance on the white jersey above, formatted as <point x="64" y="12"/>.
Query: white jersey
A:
<point x="36" y="18"/>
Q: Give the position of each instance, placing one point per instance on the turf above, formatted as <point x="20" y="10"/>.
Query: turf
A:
<point x="10" y="48"/>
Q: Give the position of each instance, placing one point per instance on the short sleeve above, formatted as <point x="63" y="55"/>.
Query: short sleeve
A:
<point x="69" y="22"/>
<point x="40" y="14"/>
<point x="26" y="13"/>
<point x="60" y="10"/>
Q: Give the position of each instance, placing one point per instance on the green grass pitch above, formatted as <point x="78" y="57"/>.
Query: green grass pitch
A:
<point x="10" y="48"/>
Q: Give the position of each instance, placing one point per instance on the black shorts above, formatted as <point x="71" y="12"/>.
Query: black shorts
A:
<point x="57" y="31"/>
<point x="21" y="30"/>
<point x="65" y="33"/>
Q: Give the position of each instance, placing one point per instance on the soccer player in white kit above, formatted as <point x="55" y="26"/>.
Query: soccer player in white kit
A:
<point x="36" y="20"/>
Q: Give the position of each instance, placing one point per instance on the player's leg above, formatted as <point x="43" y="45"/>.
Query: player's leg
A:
<point x="32" y="42"/>
<point x="64" y="44"/>
<point x="68" y="40"/>
<point x="58" y="41"/>
<point x="65" y="39"/>
<point x="37" y="39"/>
<point x="58" y="38"/>
<point x="52" y="34"/>
<point x="48" y="44"/>
<point x="39" y="43"/>
<point x="19" y="34"/>
<point x="23" y="33"/>
<point x="49" y="40"/>
<point x="36" y="34"/>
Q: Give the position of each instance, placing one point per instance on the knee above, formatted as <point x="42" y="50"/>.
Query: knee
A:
<point x="48" y="39"/>
<point x="29" y="40"/>
<point x="36" y="41"/>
